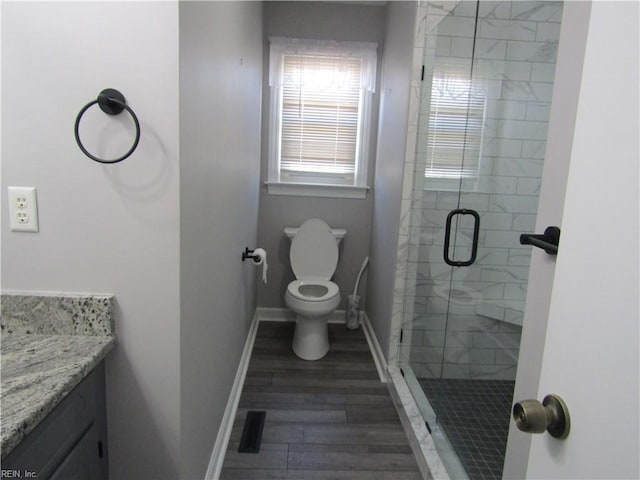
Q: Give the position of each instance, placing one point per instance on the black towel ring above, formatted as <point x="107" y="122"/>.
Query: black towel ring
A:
<point x="111" y="102"/>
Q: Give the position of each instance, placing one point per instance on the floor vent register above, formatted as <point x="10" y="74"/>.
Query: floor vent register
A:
<point x="252" y="432"/>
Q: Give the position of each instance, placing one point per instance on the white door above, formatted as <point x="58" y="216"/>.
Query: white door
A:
<point x="588" y="347"/>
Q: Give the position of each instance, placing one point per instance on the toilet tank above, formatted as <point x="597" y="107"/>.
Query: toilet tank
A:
<point x="339" y="233"/>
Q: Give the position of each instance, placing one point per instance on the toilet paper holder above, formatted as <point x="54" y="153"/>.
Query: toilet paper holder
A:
<point x="248" y="254"/>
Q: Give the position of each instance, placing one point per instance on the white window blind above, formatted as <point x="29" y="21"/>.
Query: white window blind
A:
<point x="320" y="114"/>
<point x="456" y="119"/>
<point x="321" y="99"/>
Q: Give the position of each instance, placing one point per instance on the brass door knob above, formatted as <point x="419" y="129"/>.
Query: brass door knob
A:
<point x="551" y="415"/>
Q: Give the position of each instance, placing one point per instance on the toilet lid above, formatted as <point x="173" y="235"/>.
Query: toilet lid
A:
<point x="314" y="251"/>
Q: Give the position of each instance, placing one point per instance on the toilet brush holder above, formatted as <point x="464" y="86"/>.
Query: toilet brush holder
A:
<point x="353" y="312"/>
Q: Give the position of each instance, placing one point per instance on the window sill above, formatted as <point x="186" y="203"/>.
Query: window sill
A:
<point x="316" y="190"/>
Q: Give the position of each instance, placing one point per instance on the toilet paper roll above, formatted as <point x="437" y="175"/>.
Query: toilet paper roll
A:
<point x="260" y="258"/>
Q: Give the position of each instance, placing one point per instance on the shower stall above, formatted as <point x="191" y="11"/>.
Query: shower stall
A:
<point x="486" y="78"/>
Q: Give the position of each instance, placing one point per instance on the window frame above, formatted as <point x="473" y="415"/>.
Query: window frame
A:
<point x="288" y="46"/>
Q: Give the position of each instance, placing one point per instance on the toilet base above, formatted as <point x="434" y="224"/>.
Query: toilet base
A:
<point x="311" y="337"/>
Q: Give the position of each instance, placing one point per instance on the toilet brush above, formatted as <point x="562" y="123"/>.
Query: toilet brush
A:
<point x="353" y="311"/>
<point x="353" y="301"/>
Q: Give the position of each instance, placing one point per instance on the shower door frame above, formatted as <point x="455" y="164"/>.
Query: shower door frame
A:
<point x="569" y="61"/>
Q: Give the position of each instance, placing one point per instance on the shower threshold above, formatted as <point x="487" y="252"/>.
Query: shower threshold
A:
<point x="430" y="444"/>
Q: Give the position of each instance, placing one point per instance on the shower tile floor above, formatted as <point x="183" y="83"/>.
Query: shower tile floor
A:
<point x="475" y="415"/>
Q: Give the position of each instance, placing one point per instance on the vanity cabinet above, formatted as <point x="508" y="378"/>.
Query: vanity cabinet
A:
<point x="70" y="443"/>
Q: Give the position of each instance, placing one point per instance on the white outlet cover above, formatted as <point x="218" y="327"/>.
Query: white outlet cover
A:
<point x="23" y="209"/>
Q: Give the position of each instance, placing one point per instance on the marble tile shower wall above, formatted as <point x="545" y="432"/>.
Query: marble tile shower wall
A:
<point x="515" y="54"/>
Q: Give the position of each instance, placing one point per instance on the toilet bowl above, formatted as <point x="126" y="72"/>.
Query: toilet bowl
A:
<point x="312" y="296"/>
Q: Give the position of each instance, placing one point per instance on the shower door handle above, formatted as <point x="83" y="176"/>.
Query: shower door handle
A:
<point x="447" y="237"/>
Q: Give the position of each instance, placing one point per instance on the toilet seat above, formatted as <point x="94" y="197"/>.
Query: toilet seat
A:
<point x="318" y="290"/>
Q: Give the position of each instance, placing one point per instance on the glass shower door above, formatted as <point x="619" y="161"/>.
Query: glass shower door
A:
<point x="483" y="120"/>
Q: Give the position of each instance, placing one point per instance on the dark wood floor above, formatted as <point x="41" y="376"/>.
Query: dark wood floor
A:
<point x="328" y="419"/>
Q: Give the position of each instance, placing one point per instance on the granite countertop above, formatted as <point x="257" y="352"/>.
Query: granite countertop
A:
<point x="49" y="345"/>
<point x="38" y="371"/>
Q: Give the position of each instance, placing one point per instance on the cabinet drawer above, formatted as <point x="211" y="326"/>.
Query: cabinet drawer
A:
<point x="80" y="464"/>
<point x="46" y="446"/>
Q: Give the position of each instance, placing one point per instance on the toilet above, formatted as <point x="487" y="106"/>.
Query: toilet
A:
<point x="313" y="296"/>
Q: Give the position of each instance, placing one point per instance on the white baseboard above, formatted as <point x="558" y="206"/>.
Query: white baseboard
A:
<point x="374" y="346"/>
<point x="268" y="314"/>
<point x="224" y="432"/>
<point x="271" y="314"/>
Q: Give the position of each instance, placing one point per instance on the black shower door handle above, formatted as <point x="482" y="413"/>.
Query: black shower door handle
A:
<point x="447" y="237"/>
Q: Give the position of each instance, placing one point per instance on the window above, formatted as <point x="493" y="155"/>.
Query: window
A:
<point x="456" y="123"/>
<point x="320" y="116"/>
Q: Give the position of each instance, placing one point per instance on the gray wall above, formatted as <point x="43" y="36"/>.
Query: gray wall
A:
<point x="321" y="20"/>
<point x="392" y="136"/>
<point x="155" y="230"/>
<point x="103" y="228"/>
<point x="220" y="86"/>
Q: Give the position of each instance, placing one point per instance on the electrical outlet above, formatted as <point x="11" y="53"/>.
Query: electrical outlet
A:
<point x="23" y="209"/>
